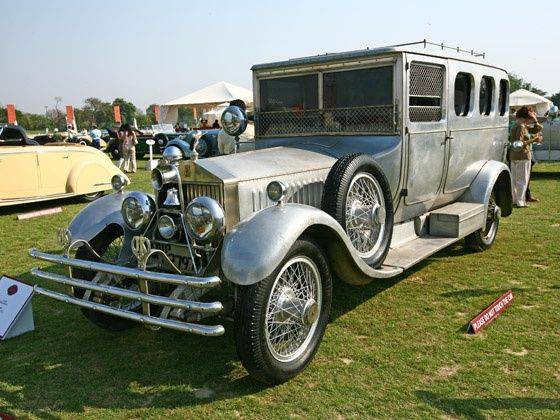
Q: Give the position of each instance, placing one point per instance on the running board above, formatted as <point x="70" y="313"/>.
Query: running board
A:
<point x="416" y="250"/>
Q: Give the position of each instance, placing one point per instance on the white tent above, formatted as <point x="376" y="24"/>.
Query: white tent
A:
<point x="205" y="99"/>
<point x="215" y="113"/>
<point x="524" y="97"/>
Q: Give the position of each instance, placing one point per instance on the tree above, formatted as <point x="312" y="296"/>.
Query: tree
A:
<point x="516" y="83"/>
<point x="556" y="99"/>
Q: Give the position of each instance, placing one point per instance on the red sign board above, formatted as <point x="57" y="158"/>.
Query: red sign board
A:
<point x="488" y="315"/>
<point x="69" y="114"/>
<point x="117" y="113"/>
<point x="11" y="108"/>
<point x="157" y="113"/>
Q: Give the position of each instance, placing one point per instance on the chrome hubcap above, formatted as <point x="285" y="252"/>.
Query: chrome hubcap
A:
<point x="293" y="309"/>
<point x="365" y="214"/>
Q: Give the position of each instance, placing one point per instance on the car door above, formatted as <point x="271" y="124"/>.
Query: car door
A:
<point x="426" y="128"/>
<point x="55" y="163"/>
<point x="19" y="171"/>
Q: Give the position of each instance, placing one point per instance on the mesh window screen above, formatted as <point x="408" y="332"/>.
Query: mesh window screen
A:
<point x="426" y="92"/>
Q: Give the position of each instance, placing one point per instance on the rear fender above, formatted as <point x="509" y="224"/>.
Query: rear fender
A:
<point x="256" y="246"/>
<point x="495" y="176"/>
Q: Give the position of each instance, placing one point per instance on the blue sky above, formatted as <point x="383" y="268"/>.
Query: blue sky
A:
<point x="153" y="51"/>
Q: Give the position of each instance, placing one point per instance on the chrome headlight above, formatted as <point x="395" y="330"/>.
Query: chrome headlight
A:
<point x="205" y="219"/>
<point x="276" y="191"/>
<point x="137" y="210"/>
<point x="166" y="227"/>
<point x="118" y="182"/>
<point x="172" y="154"/>
<point x="234" y="120"/>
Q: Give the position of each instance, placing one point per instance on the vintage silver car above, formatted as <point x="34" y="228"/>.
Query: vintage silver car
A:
<point x="365" y="163"/>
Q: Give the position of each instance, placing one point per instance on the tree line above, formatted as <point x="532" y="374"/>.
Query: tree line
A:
<point x="94" y="111"/>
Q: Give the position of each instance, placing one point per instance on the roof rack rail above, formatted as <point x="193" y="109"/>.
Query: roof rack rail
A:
<point x="442" y="46"/>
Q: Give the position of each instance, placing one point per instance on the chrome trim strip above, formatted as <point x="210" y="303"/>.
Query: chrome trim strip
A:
<point x="205" y="307"/>
<point x="135" y="273"/>
<point x="208" y="330"/>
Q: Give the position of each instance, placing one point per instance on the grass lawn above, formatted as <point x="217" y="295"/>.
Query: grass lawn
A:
<point x="394" y="348"/>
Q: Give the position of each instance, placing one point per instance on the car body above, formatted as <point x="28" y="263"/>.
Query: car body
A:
<point x="161" y="139"/>
<point x="31" y="172"/>
<point x="364" y="164"/>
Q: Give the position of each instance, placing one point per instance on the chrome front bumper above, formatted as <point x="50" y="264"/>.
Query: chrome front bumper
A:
<point x="138" y="274"/>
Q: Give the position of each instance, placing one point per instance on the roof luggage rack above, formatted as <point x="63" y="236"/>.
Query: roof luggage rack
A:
<point x="427" y="43"/>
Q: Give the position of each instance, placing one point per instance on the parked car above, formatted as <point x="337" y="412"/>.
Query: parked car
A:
<point x="30" y="172"/>
<point x="364" y="164"/>
<point x="65" y="137"/>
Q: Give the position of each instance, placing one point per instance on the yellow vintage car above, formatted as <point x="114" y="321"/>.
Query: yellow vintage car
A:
<point x="30" y="172"/>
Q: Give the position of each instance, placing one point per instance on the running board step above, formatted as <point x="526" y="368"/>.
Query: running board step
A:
<point x="416" y="250"/>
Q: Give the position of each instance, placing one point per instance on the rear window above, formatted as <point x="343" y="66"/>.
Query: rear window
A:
<point x="502" y="100"/>
<point x="289" y="93"/>
<point x="486" y="95"/>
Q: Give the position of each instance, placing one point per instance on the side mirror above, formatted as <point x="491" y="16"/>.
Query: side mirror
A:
<point x="234" y="120"/>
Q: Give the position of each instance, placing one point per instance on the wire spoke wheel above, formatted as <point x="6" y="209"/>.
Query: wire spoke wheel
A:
<point x="491" y="219"/>
<point x="293" y="308"/>
<point x="365" y="214"/>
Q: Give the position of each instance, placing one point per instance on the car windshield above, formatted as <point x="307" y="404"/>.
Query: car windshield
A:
<point x="345" y="102"/>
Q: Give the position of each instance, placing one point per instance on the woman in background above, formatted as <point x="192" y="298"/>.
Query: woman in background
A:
<point x="129" y="142"/>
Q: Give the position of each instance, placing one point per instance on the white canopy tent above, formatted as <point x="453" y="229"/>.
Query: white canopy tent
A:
<point x="215" y="113"/>
<point x="524" y="97"/>
<point x="205" y="99"/>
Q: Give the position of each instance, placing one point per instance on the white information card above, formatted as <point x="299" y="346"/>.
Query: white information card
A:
<point x="16" y="315"/>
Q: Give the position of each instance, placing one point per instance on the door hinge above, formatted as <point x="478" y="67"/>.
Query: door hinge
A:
<point x="404" y="192"/>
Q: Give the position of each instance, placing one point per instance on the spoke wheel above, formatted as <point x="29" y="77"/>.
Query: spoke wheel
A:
<point x="484" y="238"/>
<point x="293" y="309"/>
<point x="365" y="214"/>
<point x="280" y="321"/>
<point x="108" y="245"/>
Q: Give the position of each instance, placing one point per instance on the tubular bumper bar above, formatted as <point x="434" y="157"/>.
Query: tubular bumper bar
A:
<point x="208" y="308"/>
<point x="133" y="273"/>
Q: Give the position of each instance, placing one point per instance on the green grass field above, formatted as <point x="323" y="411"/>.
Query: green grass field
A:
<point x="394" y="348"/>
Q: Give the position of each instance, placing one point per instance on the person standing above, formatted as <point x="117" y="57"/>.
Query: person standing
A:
<point x="535" y="129"/>
<point x="521" y="159"/>
<point x="129" y="142"/>
<point x="95" y="134"/>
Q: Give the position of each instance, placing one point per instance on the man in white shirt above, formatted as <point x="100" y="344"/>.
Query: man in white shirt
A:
<point x="95" y="134"/>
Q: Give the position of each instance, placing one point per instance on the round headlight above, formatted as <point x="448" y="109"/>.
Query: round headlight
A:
<point x="137" y="210"/>
<point x="234" y="120"/>
<point x="276" y="191"/>
<point x="166" y="227"/>
<point x="205" y="219"/>
<point x="118" y="182"/>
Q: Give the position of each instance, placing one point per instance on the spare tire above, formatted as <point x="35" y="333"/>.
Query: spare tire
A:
<point x="357" y="195"/>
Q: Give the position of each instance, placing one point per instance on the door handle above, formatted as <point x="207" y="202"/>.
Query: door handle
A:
<point x="449" y="137"/>
<point x="65" y="157"/>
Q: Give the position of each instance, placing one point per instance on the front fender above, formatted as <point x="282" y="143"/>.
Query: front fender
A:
<point x="95" y="217"/>
<point x="256" y="246"/>
<point x="493" y="174"/>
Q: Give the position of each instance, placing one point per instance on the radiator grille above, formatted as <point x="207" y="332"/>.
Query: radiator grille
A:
<point x="192" y="191"/>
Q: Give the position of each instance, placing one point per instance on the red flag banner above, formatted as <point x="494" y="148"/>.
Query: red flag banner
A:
<point x="157" y="113"/>
<point x="117" y="113"/>
<point x="69" y="114"/>
<point x="11" y="109"/>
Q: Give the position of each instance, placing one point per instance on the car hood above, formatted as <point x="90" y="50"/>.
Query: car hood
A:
<point x="265" y="163"/>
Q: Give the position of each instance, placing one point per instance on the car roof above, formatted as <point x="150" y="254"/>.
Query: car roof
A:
<point x="421" y="48"/>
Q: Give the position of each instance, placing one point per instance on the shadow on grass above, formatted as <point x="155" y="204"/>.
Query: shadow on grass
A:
<point x="545" y="175"/>
<point x="469" y="293"/>
<point x="68" y="364"/>
<point x="474" y="407"/>
<point x="40" y="205"/>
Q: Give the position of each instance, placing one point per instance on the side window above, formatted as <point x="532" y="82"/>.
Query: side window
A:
<point x="425" y="103"/>
<point x="10" y="137"/>
<point x="486" y="93"/>
<point x="463" y="91"/>
<point x="503" y="98"/>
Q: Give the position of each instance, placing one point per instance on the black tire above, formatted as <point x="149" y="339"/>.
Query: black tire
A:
<point x="250" y="321"/>
<point x="93" y="196"/>
<point x="483" y="239"/>
<point x="114" y="150"/>
<point x="161" y="142"/>
<point x="100" y="244"/>
<point x="335" y="193"/>
<point x="203" y="145"/>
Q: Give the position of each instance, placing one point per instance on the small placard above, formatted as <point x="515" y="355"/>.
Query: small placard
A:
<point x="488" y="315"/>
<point x="16" y="316"/>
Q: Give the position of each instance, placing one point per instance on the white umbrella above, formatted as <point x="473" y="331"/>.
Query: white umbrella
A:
<point x="523" y="97"/>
